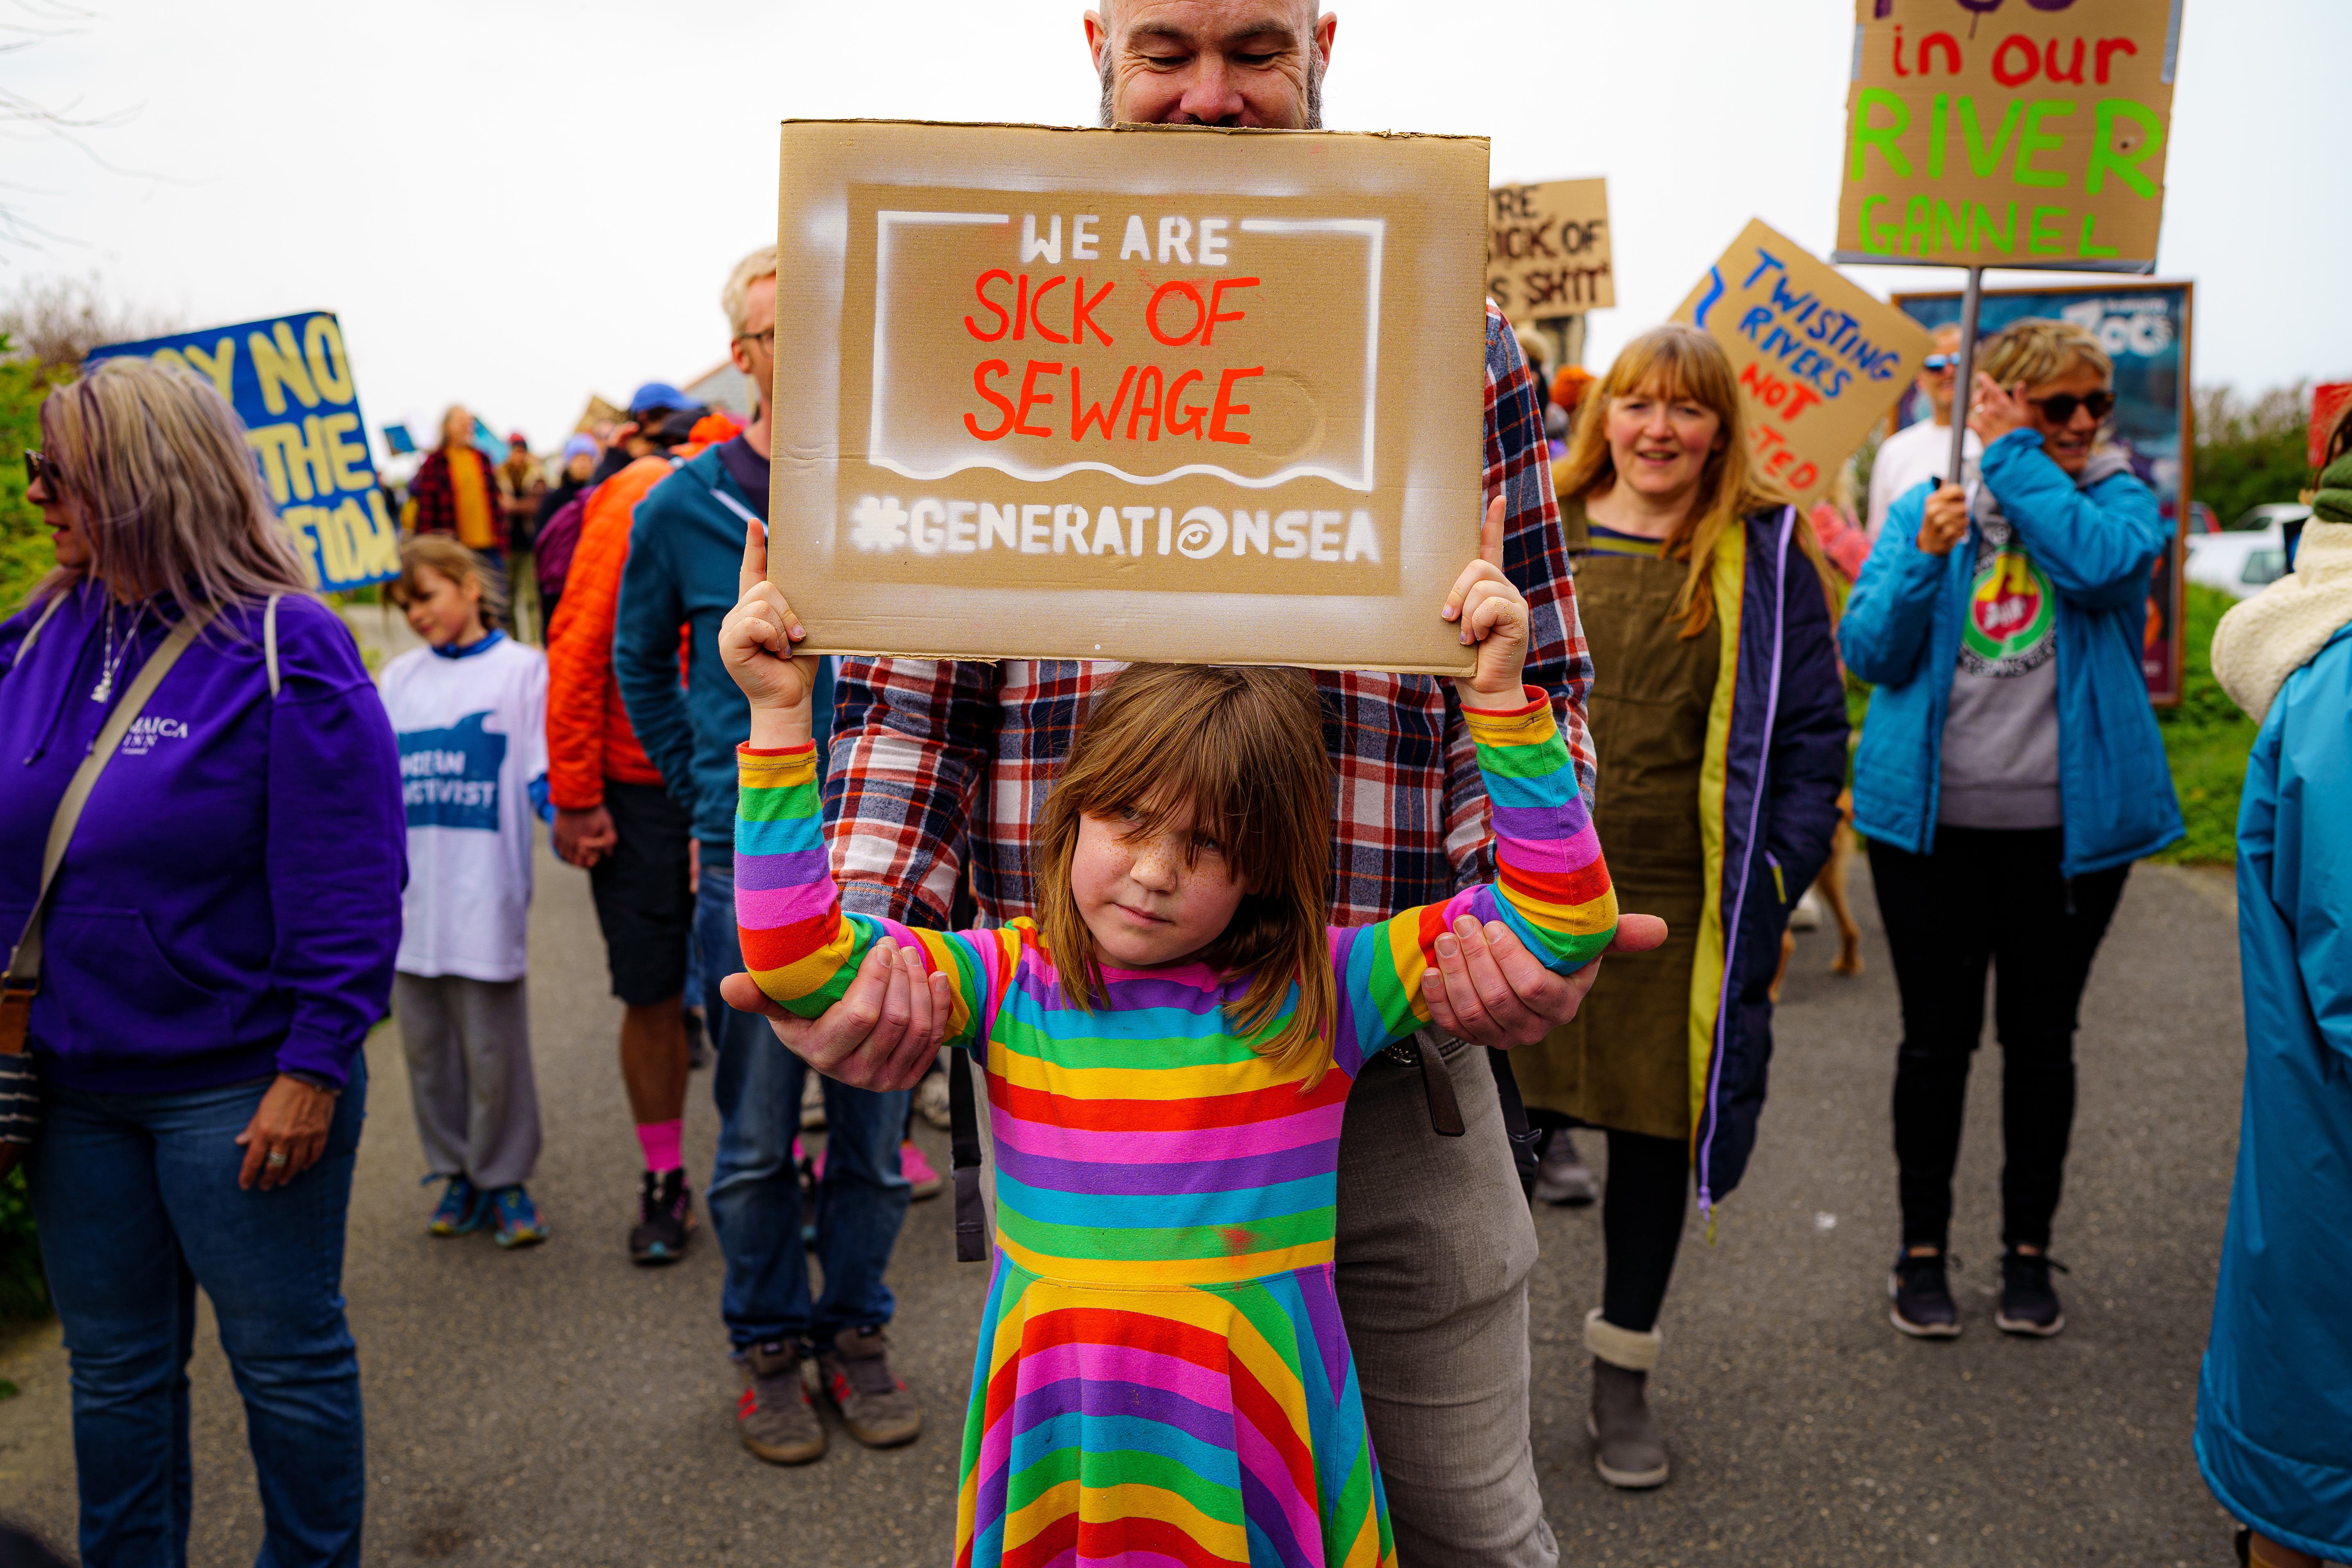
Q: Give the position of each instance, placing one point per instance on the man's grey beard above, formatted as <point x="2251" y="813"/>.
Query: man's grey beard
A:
<point x="1314" y="89"/>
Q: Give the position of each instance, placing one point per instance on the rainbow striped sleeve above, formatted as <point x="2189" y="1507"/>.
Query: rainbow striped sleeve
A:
<point x="1551" y="888"/>
<point x="801" y="948"/>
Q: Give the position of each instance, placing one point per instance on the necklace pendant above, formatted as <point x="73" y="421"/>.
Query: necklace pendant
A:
<point x="104" y="688"/>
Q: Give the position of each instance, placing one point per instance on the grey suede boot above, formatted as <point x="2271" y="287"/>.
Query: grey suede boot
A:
<point x="1626" y="1448"/>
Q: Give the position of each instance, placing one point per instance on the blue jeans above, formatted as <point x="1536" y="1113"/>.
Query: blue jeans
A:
<point x="137" y="1201"/>
<point x="755" y="1195"/>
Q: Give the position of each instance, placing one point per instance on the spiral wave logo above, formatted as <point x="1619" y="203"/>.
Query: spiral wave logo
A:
<point x="1201" y="534"/>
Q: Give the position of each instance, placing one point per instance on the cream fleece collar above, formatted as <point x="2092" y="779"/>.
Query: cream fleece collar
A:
<point x="2266" y="638"/>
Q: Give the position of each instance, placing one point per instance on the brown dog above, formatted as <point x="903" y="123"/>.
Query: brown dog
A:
<point x="1831" y="885"/>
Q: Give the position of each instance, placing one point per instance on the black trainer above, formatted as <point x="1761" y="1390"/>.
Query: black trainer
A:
<point x="665" y="1219"/>
<point x="1922" y="1297"/>
<point x="2028" y="1303"/>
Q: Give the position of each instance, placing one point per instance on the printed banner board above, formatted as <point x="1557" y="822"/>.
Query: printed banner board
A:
<point x="2008" y="132"/>
<point x="1819" y="359"/>
<point x="1547" y="249"/>
<point x="2144" y="327"/>
<point x="1143" y="394"/>
<point x="290" y="381"/>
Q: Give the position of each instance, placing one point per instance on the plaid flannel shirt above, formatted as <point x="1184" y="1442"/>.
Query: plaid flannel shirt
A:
<point x="940" y="766"/>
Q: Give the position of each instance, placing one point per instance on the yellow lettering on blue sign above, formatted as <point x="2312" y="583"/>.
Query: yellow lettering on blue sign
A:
<point x="278" y="365"/>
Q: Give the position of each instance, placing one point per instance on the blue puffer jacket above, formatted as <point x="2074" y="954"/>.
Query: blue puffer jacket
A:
<point x="2275" y="1405"/>
<point x="1901" y="632"/>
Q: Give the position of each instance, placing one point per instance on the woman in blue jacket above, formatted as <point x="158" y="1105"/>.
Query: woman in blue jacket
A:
<point x="1718" y="721"/>
<point x="218" y="941"/>
<point x="2274" y="1406"/>
<point x="2009" y="772"/>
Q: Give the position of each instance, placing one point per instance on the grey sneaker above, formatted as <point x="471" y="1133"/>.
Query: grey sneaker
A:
<point x="1626" y="1448"/>
<point x="1563" y="1177"/>
<point x="855" y="1371"/>
<point x="774" y="1417"/>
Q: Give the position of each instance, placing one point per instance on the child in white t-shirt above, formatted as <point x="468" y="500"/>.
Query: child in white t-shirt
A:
<point x="470" y="713"/>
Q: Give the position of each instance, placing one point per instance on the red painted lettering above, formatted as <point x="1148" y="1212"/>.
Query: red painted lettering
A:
<point x="1200" y="314"/>
<point x="1191" y="424"/>
<point x="1225" y="406"/>
<point x="2008" y="74"/>
<point x="1021" y="310"/>
<point x="1082" y="309"/>
<point x="1033" y="398"/>
<point x="979" y="292"/>
<point x="1952" y="47"/>
<point x="1216" y="298"/>
<point x="979" y="374"/>
<point x="2073" y="73"/>
<point x="1080" y="416"/>
<point x="1138" y="408"/>
<point x="1038" y="309"/>
<point x="2108" y="49"/>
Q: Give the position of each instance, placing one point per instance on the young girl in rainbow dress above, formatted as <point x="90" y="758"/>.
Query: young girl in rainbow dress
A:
<point x="1162" y="1375"/>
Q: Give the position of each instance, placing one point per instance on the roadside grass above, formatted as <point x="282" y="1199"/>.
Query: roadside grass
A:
<point x="2206" y="740"/>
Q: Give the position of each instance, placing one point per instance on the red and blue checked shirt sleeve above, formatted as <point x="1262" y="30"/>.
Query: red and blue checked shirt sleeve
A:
<point x="800" y="947"/>
<point x="912" y="741"/>
<point x="1551" y="886"/>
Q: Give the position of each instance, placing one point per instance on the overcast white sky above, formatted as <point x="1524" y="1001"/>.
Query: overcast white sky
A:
<point x="513" y="203"/>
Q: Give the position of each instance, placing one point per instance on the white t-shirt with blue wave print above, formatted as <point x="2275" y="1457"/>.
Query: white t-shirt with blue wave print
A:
<point x="472" y="726"/>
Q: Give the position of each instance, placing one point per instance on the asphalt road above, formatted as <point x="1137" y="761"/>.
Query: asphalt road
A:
<point x="558" y="1405"/>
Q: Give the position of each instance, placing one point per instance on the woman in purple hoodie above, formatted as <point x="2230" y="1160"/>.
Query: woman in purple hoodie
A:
<point x="217" y="942"/>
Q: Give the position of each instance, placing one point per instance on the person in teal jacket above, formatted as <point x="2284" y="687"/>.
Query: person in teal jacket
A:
<point x="2010" y="772"/>
<point x="2274" y="1405"/>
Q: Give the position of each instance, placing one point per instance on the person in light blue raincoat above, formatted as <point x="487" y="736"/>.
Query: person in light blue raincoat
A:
<point x="2274" y="1405"/>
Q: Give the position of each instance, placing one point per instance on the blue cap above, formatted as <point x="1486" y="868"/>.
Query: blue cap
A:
<point x="655" y="396"/>
<point x="580" y="447"/>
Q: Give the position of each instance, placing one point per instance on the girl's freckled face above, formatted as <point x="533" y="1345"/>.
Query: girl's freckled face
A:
<point x="1142" y="903"/>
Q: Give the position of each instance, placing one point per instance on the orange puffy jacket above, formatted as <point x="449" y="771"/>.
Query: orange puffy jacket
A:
<point x="588" y="735"/>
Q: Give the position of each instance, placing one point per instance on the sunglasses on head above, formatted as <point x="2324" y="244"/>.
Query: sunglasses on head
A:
<point x="2060" y="410"/>
<point x="41" y="467"/>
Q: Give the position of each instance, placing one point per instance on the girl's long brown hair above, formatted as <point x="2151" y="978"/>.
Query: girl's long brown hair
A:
<point x="1243" y="746"/>
<point x="1681" y="362"/>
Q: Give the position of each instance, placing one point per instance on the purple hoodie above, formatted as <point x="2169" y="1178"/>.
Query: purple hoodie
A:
<point x="230" y="904"/>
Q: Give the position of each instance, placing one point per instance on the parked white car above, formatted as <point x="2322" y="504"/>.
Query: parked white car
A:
<point x="2242" y="562"/>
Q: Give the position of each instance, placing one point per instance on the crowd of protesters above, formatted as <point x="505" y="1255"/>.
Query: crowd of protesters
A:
<point x="191" y="1004"/>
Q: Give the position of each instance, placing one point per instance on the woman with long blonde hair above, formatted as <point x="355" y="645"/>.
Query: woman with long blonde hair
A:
<point x="204" y="965"/>
<point x="1718" y="716"/>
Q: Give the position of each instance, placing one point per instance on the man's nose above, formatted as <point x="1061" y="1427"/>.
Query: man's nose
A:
<point x="1210" y="97"/>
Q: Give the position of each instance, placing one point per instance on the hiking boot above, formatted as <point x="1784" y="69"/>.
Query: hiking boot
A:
<point x="773" y="1415"/>
<point x="913" y="1165"/>
<point x="665" y="1219"/>
<point x="462" y="1208"/>
<point x="1562" y="1177"/>
<point x="518" y="1219"/>
<point x="1627" y="1449"/>
<point x="1921" y="1297"/>
<point x="932" y="1101"/>
<point x="2028" y="1303"/>
<point x="855" y="1372"/>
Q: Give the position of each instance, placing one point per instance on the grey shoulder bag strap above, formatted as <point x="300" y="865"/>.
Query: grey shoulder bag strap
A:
<point x="19" y="1107"/>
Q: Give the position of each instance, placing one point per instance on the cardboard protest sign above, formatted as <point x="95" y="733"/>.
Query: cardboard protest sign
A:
<point x="2024" y="133"/>
<point x="1146" y="393"/>
<point x="1547" y="249"/>
<point x="1819" y="361"/>
<point x="290" y="381"/>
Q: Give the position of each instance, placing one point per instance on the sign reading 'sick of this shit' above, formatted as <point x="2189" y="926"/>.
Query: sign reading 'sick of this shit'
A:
<point x="2009" y="132"/>
<point x="1547" y="249"/>
<point x="1820" y="360"/>
<point x="1131" y="394"/>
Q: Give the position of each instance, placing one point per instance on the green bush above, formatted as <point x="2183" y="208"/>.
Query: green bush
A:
<point x="25" y="553"/>
<point x="24" y="1292"/>
<point x="2207" y="739"/>
<point x="2251" y="451"/>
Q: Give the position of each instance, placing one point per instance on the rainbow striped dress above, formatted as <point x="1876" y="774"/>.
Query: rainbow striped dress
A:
<point x="1162" y="1377"/>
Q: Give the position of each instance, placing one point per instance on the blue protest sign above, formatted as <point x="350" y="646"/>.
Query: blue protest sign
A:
<point x="290" y="381"/>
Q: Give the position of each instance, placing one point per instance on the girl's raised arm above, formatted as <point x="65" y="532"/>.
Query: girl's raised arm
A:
<point x="1551" y="890"/>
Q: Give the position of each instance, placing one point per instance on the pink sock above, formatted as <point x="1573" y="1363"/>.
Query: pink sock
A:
<point x="660" y="1142"/>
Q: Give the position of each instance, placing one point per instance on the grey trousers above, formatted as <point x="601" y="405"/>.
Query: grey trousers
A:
<point x="468" y="1046"/>
<point x="1435" y="1245"/>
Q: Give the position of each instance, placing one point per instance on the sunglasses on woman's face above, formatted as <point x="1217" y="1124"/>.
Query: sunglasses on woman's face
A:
<point x="2060" y="410"/>
<point x="1936" y="365"/>
<point x="39" y="469"/>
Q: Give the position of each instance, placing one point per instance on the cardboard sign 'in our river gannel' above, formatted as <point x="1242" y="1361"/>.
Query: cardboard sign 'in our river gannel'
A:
<point x="1141" y="394"/>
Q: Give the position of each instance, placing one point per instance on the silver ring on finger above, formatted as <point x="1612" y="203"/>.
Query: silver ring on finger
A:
<point x="276" y="1157"/>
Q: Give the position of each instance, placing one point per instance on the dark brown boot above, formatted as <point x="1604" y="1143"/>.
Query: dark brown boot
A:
<point x="877" y="1407"/>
